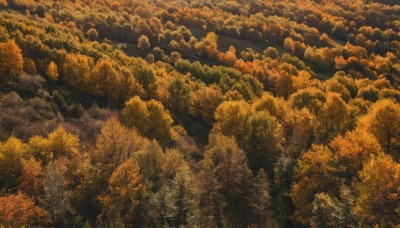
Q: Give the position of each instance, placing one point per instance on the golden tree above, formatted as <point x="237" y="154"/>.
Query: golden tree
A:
<point x="20" y="210"/>
<point x="230" y="117"/>
<point x="52" y="71"/>
<point x="136" y="115"/>
<point x="384" y="122"/>
<point x="11" y="61"/>
<point x="378" y="197"/>
<point x="123" y="193"/>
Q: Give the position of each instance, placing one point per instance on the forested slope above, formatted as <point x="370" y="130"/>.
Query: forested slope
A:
<point x="200" y="113"/>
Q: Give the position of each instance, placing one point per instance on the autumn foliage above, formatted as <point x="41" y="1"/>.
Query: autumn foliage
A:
<point x="199" y="113"/>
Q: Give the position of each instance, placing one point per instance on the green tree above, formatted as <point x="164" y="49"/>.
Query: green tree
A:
<point x="262" y="140"/>
<point x="180" y="96"/>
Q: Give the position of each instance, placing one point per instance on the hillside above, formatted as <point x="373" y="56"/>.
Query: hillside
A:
<point x="200" y="113"/>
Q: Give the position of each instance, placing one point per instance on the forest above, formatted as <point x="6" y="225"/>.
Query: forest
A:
<point x="199" y="113"/>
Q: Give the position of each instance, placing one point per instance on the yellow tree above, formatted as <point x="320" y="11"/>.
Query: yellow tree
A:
<point x="384" y="122"/>
<point x="378" y="191"/>
<point x="77" y="71"/>
<point x="336" y="115"/>
<point x="11" y="61"/>
<point x="114" y="145"/>
<point x="62" y="143"/>
<point x="124" y="189"/>
<point x="136" y="115"/>
<point x="284" y="85"/>
<point x="208" y="46"/>
<point x="313" y="174"/>
<point x="52" y="71"/>
<point x="229" y="58"/>
<point x="205" y="101"/>
<point x="223" y="181"/>
<point x="353" y="150"/>
<point x="106" y="81"/>
<point x="299" y="129"/>
<point x="230" y="117"/>
<point x="310" y="98"/>
<point x="159" y="122"/>
<point x="12" y="152"/>
<point x="38" y="147"/>
<point x="143" y="42"/>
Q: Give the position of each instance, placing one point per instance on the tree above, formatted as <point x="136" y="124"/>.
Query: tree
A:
<point x="260" y="201"/>
<point x="29" y="66"/>
<point x="284" y="85"/>
<point x="159" y="122"/>
<point x="262" y="140"/>
<point x="180" y="97"/>
<point x="20" y="210"/>
<point x="106" y="81"/>
<point x="56" y="196"/>
<point x="230" y="117"/>
<point x="147" y="79"/>
<point x="327" y="212"/>
<point x="336" y="116"/>
<point x="11" y="61"/>
<point x="114" y="145"/>
<point x="313" y="174"/>
<point x="310" y="98"/>
<point x="39" y="148"/>
<point x="229" y="58"/>
<point x="31" y="180"/>
<point x="289" y="44"/>
<point x="272" y="52"/>
<point x="143" y="42"/>
<point x="92" y="34"/>
<point x="208" y="47"/>
<point x="299" y="130"/>
<point x="223" y="182"/>
<point x="384" y="122"/>
<point x="52" y="71"/>
<point x="11" y="154"/>
<point x="62" y="143"/>
<point x="123" y="193"/>
<point x="378" y="190"/>
<point x="336" y="87"/>
<point x="205" y="101"/>
<point x="136" y="115"/>
<point x="352" y="151"/>
<point x="76" y="71"/>
<point x="150" y="161"/>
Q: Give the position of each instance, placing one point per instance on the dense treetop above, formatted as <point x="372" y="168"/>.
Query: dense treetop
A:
<point x="200" y="113"/>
